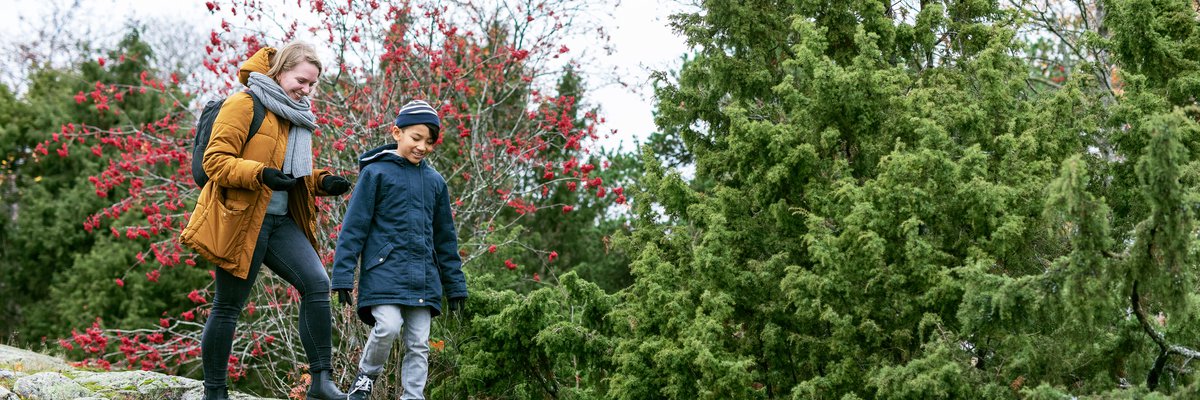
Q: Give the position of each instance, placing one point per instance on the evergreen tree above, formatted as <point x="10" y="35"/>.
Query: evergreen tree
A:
<point x="890" y="208"/>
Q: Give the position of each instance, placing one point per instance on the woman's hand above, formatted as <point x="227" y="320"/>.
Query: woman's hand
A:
<point x="276" y="179"/>
<point x="335" y="185"/>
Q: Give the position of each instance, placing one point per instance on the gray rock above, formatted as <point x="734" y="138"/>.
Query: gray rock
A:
<point x="194" y="394"/>
<point x="50" y="386"/>
<point x="12" y="358"/>
<point x="54" y="379"/>
<point x="138" y="384"/>
<point x="198" y="394"/>
<point x="243" y="396"/>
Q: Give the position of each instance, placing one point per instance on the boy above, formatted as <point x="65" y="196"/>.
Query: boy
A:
<point x="399" y="229"/>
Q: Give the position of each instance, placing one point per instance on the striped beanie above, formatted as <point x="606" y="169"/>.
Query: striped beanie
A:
<point x="417" y="112"/>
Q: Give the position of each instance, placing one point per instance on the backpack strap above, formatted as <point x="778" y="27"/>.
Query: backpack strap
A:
<point x="260" y="112"/>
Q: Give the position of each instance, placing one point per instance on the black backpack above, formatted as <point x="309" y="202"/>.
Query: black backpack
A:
<point x="204" y="128"/>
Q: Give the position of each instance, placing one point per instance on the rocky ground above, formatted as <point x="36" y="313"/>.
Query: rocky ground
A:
<point x="26" y="375"/>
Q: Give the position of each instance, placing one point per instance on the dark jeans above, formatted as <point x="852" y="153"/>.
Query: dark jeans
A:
<point x="283" y="247"/>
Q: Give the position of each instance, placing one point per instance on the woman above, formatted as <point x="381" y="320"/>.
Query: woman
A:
<point x="258" y="208"/>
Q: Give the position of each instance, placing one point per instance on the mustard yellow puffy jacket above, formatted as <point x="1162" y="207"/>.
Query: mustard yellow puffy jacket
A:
<point x="224" y="226"/>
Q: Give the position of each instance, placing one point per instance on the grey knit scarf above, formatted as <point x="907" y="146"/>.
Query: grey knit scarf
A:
<point x="297" y="160"/>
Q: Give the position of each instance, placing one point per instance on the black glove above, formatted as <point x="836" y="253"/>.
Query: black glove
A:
<point x="344" y="297"/>
<point x="335" y="185"/>
<point x="276" y="179"/>
<point x="457" y="304"/>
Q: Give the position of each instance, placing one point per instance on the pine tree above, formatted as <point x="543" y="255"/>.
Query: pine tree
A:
<point x="891" y="207"/>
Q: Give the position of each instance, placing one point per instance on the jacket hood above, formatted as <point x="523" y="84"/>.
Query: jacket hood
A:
<point x="386" y="152"/>
<point x="260" y="62"/>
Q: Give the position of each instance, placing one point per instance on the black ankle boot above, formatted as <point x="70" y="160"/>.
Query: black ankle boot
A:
<point x="323" y="388"/>
<point x="219" y="393"/>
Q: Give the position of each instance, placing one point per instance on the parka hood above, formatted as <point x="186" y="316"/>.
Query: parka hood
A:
<point x="260" y="62"/>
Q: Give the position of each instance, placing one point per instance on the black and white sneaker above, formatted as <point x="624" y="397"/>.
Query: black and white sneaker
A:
<point x="361" y="389"/>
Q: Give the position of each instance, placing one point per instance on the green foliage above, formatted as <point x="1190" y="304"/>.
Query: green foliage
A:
<point x="888" y="209"/>
<point x="549" y="343"/>
<point x="1159" y="40"/>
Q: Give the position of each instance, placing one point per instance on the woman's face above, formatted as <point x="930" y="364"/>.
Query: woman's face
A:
<point x="299" y="82"/>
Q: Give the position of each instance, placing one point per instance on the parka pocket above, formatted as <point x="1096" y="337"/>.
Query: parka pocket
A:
<point x="229" y="225"/>
<point x="379" y="257"/>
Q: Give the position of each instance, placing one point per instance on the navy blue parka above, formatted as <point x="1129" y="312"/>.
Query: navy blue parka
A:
<point x="398" y="233"/>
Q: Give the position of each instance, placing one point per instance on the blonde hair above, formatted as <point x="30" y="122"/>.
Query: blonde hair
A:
<point x="290" y="56"/>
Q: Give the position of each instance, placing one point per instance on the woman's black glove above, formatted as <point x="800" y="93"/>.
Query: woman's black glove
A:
<point x="335" y="185"/>
<point x="344" y="297"/>
<point x="276" y="179"/>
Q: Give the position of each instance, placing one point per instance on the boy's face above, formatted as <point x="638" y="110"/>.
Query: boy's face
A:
<point x="413" y="142"/>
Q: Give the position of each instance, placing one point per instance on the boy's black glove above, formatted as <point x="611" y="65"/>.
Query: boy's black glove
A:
<point x="276" y="179"/>
<point x="344" y="297"/>
<point x="457" y="304"/>
<point x="335" y="185"/>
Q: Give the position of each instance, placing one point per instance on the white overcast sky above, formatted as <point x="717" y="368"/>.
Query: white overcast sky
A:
<point x="640" y="36"/>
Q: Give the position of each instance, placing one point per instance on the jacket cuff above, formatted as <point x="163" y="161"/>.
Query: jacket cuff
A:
<point x="456" y="293"/>
<point x="339" y="285"/>
<point x="318" y="176"/>
<point x="255" y="179"/>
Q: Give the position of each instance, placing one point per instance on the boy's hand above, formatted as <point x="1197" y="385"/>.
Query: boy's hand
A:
<point x="458" y="304"/>
<point x="335" y="185"/>
<point x="276" y="179"/>
<point x="344" y="297"/>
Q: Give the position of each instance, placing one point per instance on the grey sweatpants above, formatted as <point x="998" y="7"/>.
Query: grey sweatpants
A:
<point x="390" y="322"/>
